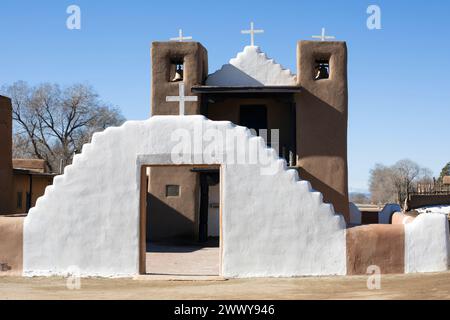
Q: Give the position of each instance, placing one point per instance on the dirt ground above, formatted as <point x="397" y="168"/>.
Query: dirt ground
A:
<point x="417" y="286"/>
<point x="187" y="260"/>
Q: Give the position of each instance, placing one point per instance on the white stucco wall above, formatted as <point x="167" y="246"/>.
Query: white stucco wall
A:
<point x="427" y="244"/>
<point x="273" y="224"/>
<point x="251" y="67"/>
<point x="277" y="226"/>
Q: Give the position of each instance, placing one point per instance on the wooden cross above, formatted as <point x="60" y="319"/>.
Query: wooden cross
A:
<point x="180" y="37"/>
<point x="181" y="98"/>
<point x="252" y="32"/>
<point x="323" y="37"/>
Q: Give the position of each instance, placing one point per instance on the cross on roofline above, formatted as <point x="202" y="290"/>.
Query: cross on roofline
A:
<point x="180" y="37"/>
<point x="181" y="98"/>
<point x="252" y="33"/>
<point x="323" y="37"/>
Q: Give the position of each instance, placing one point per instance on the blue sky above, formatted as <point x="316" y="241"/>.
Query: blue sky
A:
<point x="398" y="76"/>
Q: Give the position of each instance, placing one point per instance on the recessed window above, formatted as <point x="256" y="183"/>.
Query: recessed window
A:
<point x="19" y="200"/>
<point x="176" y="70"/>
<point x="172" y="190"/>
<point x="321" y="69"/>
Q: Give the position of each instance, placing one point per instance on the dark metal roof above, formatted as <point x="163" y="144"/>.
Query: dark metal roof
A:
<point x="234" y="89"/>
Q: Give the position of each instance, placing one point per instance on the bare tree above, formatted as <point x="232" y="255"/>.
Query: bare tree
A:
<point x="404" y="174"/>
<point x="394" y="183"/>
<point x="21" y="147"/>
<point x="51" y="123"/>
<point x="380" y="184"/>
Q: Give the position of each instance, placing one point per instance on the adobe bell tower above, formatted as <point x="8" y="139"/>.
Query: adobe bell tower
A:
<point x="173" y="192"/>
<point x="172" y="62"/>
<point x="322" y="112"/>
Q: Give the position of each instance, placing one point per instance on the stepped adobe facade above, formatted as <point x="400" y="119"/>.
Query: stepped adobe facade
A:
<point x="196" y="169"/>
<point x="252" y="90"/>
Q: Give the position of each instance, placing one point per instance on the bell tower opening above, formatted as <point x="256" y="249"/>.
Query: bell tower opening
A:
<point x="322" y="69"/>
<point x="176" y="70"/>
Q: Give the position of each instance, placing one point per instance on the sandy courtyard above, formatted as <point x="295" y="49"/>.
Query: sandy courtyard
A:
<point x="183" y="260"/>
<point x="418" y="286"/>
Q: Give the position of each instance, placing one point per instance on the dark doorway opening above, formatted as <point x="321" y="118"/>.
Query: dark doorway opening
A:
<point x="253" y="117"/>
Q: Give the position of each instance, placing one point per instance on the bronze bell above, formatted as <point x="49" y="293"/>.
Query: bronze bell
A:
<point x="178" y="74"/>
<point x="322" y="72"/>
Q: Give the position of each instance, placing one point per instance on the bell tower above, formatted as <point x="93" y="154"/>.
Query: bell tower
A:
<point x="322" y="112"/>
<point x="173" y="191"/>
<point x="6" y="169"/>
<point x="172" y="62"/>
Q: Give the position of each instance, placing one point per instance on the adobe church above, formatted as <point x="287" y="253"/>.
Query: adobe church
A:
<point x="125" y="189"/>
<point x="309" y="110"/>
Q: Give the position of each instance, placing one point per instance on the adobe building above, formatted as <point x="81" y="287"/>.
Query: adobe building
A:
<point x="284" y="215"/>
<point x="23" y="181"/>
<point x="309" y="110"/>
<point x="30" y="178"/>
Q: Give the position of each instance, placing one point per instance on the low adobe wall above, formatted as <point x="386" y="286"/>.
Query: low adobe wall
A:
<point x="408" y="217"/>
<point x="427" y="244"/>
<point x="402" y="218"/>
<point x="380" y="245"/>
<point x="11" y="246"/>
<point x="411" y="244"/>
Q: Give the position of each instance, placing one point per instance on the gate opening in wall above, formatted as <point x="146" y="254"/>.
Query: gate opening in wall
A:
<point x="180" y="220"/>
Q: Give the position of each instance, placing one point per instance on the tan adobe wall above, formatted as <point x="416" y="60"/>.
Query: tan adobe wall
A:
<point x="403" y="218"/>
<point x="5" y="155"/>
<point x="11" y="246"/>
<point x="322" y="111"/>
<point x="379" y="245"/>
<point x="172" y="217"/>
